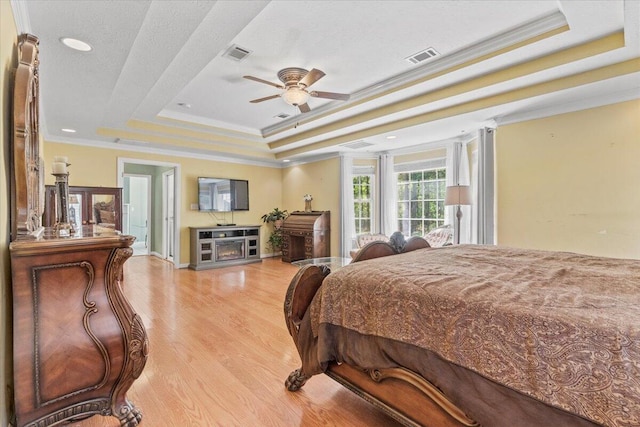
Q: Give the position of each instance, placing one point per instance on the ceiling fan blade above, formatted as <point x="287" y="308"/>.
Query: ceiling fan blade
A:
<point x="312" y="76"/>
<point x="330" y="95"/>
<point x="266" y="98"/>
<point x="255" y="79"/>
<point x="304" y="108"/>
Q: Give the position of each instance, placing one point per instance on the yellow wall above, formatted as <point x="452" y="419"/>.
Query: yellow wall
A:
<point x="8" y="61"/>
<point x="321" y="180"/>
<point x="98" y="167"/>
<point x="268" y="187"/>
<point x="571" y="182"/>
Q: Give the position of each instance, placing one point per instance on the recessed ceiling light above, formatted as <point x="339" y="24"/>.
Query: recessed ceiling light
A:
<point x="286" y="160"/>
<point x="184" y="105"/>
<point x="76" y="44"/>
<point x="68" y="130"/>
<point x="391" y="137"/>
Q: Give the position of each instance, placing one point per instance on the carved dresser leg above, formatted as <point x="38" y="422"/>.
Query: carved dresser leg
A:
<point x="136" y="342"/>
<point x="129" y="415"/>
<point x="296" y="380"/>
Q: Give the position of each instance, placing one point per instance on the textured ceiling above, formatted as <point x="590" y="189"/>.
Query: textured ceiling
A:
<point x="500" y="61"/>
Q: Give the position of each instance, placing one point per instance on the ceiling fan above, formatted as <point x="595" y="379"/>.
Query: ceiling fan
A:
<point x="296" y="81"/>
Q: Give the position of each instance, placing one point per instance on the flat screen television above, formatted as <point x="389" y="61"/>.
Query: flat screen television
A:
<point x="223" y="195"/>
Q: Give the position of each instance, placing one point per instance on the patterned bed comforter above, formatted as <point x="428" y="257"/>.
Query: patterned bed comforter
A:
<point x="560" y="327"/>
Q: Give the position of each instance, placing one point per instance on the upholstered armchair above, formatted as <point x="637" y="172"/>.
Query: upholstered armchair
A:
<point x="363" y="239"/>
<point x="441" y="236"/>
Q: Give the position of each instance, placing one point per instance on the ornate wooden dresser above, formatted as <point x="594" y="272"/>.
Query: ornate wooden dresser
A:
<point x="78" y="344"/>
<point x="306" y="235"/>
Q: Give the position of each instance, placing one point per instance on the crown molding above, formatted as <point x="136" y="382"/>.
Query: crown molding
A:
<point x="629" y="67"/>
<point x="21" y="17"/>
<point x="311" y="159"/>
<point x="570" y="107"/>
<point x="172" y="151"/>
<point x="492" y="46"/>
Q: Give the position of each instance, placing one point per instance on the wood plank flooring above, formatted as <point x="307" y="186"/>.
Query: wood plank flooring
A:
<point x="220" y="352"/>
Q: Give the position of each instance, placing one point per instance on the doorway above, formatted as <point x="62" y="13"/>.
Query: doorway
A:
<point x="137" y="211"/>
<point x="163" y="222"/>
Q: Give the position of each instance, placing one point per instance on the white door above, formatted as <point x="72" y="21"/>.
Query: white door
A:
<point x="168" y="214"/>
<point x="138" y="189"/>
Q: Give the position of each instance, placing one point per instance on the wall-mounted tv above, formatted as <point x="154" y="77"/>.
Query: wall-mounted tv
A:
<point x="223" y="195"/>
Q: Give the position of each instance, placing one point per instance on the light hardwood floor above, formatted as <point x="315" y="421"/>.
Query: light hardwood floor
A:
<point x="220" y="352"/>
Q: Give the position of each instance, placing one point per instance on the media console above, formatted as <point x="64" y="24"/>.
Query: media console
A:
<point x="215" y="247"/>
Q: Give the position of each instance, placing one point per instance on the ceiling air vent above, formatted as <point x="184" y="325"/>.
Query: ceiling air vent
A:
<point x="423" y="56"/>
<point x="357" y="144"/>
<point x="236" y="53"/>
<point x="281" y="116"/>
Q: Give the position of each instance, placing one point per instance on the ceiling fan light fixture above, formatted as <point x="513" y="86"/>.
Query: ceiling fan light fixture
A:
<point x="295" y="96"/>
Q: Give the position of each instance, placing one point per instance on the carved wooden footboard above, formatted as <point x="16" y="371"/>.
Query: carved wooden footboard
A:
<point x="401" y="393"/>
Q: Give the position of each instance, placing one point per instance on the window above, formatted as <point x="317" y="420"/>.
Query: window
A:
<point x="421" y="200"/>
<point x="363" y="203"/>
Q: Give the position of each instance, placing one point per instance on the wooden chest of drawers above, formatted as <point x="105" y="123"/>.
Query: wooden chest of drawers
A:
<point x="78" y="344"/>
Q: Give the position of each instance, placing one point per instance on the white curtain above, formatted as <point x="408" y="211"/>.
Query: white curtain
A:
<point x="388" y="191"/>
<point x="485" y="225"/>
<point x="347" y="209"/>
<point x="458" y="174"/>
<point x="474" y="196"/>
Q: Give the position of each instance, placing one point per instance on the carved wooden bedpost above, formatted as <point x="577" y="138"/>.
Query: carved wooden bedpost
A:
<point x="301" y="291"/>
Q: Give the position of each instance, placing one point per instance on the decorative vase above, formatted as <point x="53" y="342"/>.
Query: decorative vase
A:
<point x="307" y="205"/>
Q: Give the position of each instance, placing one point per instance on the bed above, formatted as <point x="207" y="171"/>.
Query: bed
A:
<point x="471" y="335"/>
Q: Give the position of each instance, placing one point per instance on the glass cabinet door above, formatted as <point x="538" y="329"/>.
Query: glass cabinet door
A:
<point x="75" y="210"/>
<point x="87" y="206"/>
<point x="103" y="210"/>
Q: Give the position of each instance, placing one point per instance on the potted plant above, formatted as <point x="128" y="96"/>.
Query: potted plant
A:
<point x="276" y="216"/>
<point x="275" y="240"/>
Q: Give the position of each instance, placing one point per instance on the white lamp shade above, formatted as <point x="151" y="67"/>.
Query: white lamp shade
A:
<point x="458" y="195"/>
<point x="295" y="96"/>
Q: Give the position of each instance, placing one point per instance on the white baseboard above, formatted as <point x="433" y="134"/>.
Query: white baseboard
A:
<point x="270" y="255"/>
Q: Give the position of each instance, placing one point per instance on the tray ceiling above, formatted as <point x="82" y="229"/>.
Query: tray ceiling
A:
<point x="159" y="77"/>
